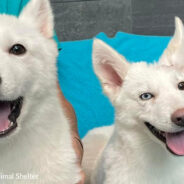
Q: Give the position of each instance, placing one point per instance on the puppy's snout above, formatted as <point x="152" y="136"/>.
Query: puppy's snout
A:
<point x="178" y="117"/>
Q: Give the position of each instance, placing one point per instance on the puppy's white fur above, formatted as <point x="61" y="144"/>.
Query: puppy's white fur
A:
<point x="41" y="144"/>
<point x="128" y="153"/>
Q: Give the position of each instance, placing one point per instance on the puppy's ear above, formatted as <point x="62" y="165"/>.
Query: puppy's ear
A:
<point x="110" y="67"/>
<point x="39" y="13"/>
<point x="174" y="53"/>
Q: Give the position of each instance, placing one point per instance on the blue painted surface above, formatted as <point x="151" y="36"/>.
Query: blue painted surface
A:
<point x="80" y="85"/>
<point x="76" y="76"/>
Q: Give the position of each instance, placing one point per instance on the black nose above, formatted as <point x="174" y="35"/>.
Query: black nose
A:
<point x="178" y="117"/>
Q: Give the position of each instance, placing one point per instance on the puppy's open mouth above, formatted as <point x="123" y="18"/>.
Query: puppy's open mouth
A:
<point x="174" y="141"/>
<point x="9" y="112"/>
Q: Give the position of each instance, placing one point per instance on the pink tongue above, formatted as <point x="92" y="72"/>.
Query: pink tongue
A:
<point x="175" y="142"/>
<point x="4" y="113"/>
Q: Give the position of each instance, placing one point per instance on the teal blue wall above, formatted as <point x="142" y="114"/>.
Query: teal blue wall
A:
<point x="12" y="7"/>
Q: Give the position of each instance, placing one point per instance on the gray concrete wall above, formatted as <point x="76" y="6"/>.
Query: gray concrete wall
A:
<point x="82" y="19"/>
<point x="156" y="16"/>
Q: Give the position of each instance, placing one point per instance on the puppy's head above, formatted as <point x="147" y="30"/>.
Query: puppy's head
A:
<point x="146" y="97"/>
<point x="28" y="54"/>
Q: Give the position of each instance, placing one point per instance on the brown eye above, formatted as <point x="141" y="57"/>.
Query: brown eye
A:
<point x="181" y="86"/>
<point x="17" y="49"/>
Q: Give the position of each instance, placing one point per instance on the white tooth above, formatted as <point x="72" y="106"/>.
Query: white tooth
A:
<point x="11" y="124"/>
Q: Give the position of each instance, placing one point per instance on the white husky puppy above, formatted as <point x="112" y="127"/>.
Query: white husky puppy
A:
<point x="35" y="141"/>
<point x="147" y="139"/>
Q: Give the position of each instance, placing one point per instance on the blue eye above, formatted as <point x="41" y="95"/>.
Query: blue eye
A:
<point x="146" y="96"/>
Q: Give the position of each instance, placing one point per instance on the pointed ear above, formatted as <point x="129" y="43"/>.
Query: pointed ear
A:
<point x="174" y="53"/>
<point x="39" y="13"/>
<point x="110" y="67"/>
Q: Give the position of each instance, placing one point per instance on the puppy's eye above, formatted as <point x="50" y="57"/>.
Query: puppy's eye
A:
<point x="181" y="86"/>
<point x="17" y="49"/>
<point x="146" y="96"/>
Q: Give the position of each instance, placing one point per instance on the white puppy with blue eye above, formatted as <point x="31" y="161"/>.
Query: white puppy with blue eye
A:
<point x="144" y="145"/>
<point x="35" y="141"/>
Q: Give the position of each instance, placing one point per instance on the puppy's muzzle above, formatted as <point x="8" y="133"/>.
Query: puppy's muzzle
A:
<point x="178" y="117"/>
